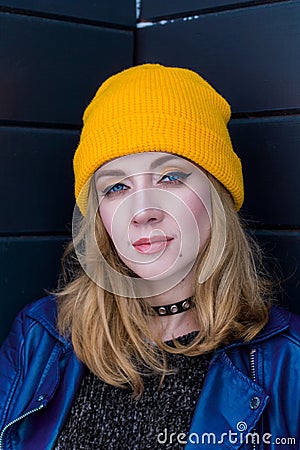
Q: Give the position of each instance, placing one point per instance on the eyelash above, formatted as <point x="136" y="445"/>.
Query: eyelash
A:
<point x="109" y="190"/>
<point x="181" y="176"/>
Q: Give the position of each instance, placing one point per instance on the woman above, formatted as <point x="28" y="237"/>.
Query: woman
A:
<point x="164" y="335"/>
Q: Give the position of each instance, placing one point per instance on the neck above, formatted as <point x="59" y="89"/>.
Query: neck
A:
<point x="169" y="327"/>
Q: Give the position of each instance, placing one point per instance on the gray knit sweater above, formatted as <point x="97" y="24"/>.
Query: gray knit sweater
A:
<point x="109" y="418"/>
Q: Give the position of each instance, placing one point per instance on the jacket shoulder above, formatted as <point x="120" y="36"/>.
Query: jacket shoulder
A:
<point x="292" y="332"/>
<point x="35" y="318"/>
<point x="43" y="311"/>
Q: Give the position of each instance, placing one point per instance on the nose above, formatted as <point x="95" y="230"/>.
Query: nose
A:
<point x="148" y="216"/>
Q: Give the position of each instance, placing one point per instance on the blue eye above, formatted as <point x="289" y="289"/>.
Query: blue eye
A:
<point x="116" y="188"/>
<point x="174" y="177"/>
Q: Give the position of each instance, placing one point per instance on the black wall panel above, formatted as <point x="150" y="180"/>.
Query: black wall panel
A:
<point x="29" y="267"/>
<point x="53" y="55"/>
<point x="114" y="12"/>
<point x="269" y="150"/>
<point x="51" y="69"/>
<point x="151" y="9"/>
<point x="282" y="256"/>
<point x="251" y="55"/>
<point x="36" y="180"/>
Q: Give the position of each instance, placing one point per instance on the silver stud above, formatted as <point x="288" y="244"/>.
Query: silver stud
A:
<point x="162" y="311"/>
<point x="186" y="304"/>
<point x="254" y="402"/>
<point x="174" y="309"/>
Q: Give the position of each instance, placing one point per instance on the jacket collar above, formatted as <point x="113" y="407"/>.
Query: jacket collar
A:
<point x="44" y="311"/>
<point x="277" y="323"/>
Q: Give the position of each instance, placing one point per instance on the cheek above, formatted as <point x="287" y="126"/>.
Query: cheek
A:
<point x="106" y="214"/>
<point x="116" y="228"/>
<point x="201" y="210"/>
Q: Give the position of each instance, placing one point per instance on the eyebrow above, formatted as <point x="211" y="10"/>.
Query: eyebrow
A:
<point x="153" y="165"/>
<point x="161" y="160"/>
<point x="111" y="173"/>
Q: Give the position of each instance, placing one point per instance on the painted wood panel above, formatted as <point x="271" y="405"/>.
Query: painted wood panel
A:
<point x="115" y="12"/>
<point x="151" y="9"/>
<point x="54" y="55"/>
<point x="28" y="266"/>
<point x="36" y="179"/>
<point x="51" y="69"/>
<point x="250" y="55"/>
<point x="269" y="150"/>
<point x="282" y="251"/>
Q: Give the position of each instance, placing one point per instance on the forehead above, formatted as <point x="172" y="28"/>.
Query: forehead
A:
<point x="143" y="162"/>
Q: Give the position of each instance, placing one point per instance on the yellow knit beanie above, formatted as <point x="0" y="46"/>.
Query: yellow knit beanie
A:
<point x="156" y="108"/>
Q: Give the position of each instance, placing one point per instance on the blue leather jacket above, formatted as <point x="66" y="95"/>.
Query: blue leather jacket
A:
<point x="248" y="386"/>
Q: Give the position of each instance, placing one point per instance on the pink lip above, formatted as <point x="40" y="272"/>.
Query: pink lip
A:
<point x="153" y="245"/>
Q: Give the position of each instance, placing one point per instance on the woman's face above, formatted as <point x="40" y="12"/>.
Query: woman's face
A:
<point x="156" y="207"/>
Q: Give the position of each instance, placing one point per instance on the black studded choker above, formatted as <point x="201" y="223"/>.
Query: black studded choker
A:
<point x="174" y="308"/>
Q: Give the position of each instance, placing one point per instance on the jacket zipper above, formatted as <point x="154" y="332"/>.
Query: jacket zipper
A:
<point x="15" y="421"/>
<point x="253" y="378"/>
<point x="252" y="364"/>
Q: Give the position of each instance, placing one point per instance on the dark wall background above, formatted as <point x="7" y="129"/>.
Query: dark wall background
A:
<point x="249" y="51"/>
<point x="53" y="57"/>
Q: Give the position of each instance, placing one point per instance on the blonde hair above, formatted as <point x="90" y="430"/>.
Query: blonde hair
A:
<point x="111" y="333"/>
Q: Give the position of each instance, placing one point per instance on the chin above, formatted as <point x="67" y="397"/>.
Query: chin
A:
<point x="154" y="275"/>
<point x="173" y="275"/>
